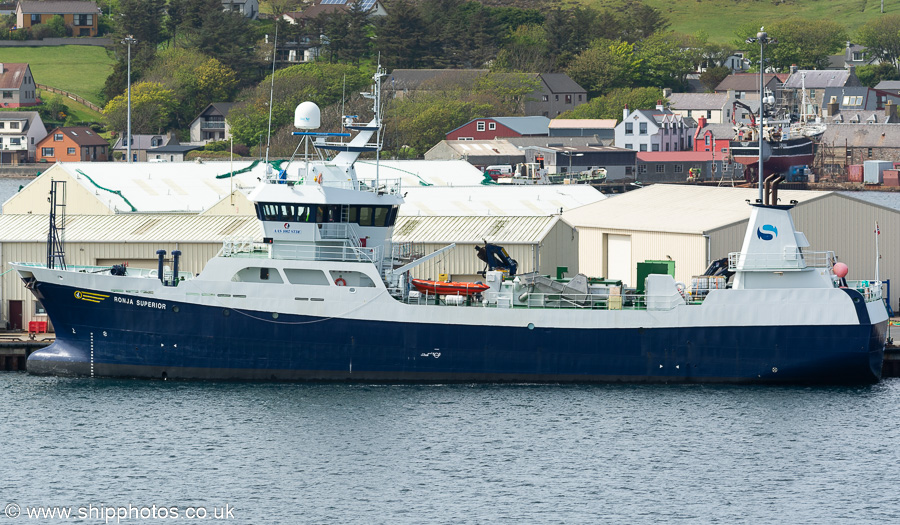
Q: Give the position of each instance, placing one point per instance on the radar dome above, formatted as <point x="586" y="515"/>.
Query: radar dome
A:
<point x="307" y="116"/>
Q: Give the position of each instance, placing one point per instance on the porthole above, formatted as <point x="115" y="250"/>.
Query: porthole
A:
<point x="274" y="315"/>
<point x="226" y="313"/>
<point x="531" y="326"/>
<point x="175" y="309"/>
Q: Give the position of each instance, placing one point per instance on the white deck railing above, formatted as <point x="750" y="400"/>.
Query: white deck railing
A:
<point x="789" y="260"/>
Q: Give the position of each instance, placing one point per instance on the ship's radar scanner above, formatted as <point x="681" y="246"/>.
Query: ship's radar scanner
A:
<point x="307" y="116"/>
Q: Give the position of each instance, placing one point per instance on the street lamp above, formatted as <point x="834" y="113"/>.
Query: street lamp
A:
<point x="570" y="155"/>
<point x="763" y="38"/>
<point x="129" y="40"/>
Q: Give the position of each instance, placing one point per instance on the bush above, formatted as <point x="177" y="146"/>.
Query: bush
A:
<point x="18" y="34"/>
<point x="41" y="31"/>
<point x="217" y="146"/>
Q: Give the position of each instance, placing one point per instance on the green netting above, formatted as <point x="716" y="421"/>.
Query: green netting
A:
<point x="116" y="192"/>
<point x="274" y="163"/>
<point x="488" y="180"/>
<point x="416" y="175"/>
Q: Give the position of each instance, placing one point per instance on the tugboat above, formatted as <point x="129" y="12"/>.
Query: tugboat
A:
<point x="328" y="297"/>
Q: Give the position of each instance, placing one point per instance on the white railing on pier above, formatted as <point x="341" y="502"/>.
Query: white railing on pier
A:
<point x="791" y="259"/>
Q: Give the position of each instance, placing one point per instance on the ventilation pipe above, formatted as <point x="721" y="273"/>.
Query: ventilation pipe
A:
<point x="175" y="255"/>
<point x="162" y="255"/>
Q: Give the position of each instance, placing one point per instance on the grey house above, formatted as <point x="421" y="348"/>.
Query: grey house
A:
<point x="212" y="123"/>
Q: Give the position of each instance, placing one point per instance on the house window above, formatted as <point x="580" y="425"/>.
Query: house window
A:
<point x="707" y="142"/>
<point x="870" y="152"/>
<point x="46" y="152"/>
<point x="480" y="126"/>
<point x="7" y="94"/>
<point x="629" y="170"/>
<point x="725" y="150"/>
<point x="655" y="147"/>
<point x="2" y="125"/>
<point x="629" y="128"/>
<point x="660" y="168"/>
<point x="727" y="113"/>
<point x="629" y="146"/>
<point x="667" y="146"/>
<point x="492" y="126"/>
<point x="39" y="308"/>
<point x="57" y="137"/>
<point x="13" y="125"/>
<point x="642" y="168"/>
<point x="35" y="19"/>
<point x="679" y="168"/>
<point x="568" y="99"/>
<point x="557" y="97"/>
<point x="579" y="98"/>
<point x="643" y="128"/>
<point x="71" y="151"/>
<point x="709" y="114"/>
<point x="643" y="147"/>
<point x="84" y="20"/>
<point x="545" y="98"/>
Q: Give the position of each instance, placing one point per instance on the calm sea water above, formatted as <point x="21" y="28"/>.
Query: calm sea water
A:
<point x="325" y="453"/>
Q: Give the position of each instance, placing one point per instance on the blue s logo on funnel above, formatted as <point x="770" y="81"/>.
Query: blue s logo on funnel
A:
<point x="760" y="232"/>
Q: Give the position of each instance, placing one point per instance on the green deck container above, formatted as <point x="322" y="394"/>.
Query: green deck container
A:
<point x="653" y="267"/>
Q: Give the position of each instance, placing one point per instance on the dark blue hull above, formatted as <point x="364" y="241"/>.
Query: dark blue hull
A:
<point x="202" y="342"/>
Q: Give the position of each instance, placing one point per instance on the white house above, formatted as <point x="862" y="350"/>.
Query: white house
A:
<point x="249" y="8"/>
<point x="655" y="130"/>
<point x="19" y="132"/>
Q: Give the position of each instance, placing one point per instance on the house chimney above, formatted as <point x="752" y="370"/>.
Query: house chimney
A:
<point x="659" y="105"/>
<point x="625" y="112"/>
<point x="890" y="112"/>
<point x="701" y="123"/>
<point x="833" y="107"/>
<point x="793" y="68"/>
<point x="1" y="68"/>
<point x="667" y="92"/>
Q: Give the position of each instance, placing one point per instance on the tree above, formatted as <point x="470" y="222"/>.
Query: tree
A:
<point x="871" y="75"/>
<point x="229" y="38"/>
<point x="605" y="66"/>
<point x="526" y="51"/>
<point x="881" y="35"/>
<point x="421" y="120"/>
<point x="151" y="108"/>
<point x="403" y="37"/>
<point x="318" y="82"/>
<point x="610" y="106"/>
<point x="196" y="79"/>
<point x="665" y="61"/>
<point x="58" y="25"/>
<point x="804" y="43"/>
<point x="713" y="76"/>
<point x="510" y="89"/>
<point x="639" y="21"/>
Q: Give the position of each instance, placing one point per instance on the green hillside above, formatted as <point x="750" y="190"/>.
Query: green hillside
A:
<point x="77" y="69"/>
<point x="719" y="18"/>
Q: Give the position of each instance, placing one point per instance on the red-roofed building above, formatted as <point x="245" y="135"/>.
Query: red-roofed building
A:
<point x="78" y="144"/>
<point x="17" y="88"/>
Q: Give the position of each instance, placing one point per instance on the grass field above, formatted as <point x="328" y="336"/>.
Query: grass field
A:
<point x="719" y="18"/>
<point x="77" y="69"/>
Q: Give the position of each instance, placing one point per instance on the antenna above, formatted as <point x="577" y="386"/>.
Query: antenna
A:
<point x="271" y="94"/>
<point x="56" y="252"/>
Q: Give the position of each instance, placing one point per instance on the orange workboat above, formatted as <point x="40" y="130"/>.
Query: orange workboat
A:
<point x="448" y="288"/>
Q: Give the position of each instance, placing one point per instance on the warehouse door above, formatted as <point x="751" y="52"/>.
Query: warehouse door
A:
<point x="618" y="258"/>
<point x="15" y="315"/>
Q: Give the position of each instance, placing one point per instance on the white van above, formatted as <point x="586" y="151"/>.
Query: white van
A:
<point x="504" y="169"/>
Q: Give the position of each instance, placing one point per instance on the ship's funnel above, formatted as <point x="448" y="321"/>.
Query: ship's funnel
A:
<point x="307" y="116"/>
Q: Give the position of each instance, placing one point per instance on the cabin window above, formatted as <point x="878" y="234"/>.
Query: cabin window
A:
<point x="256" y="274"/>
<point x="304" y="276"/>
<point x="479" y="126"/>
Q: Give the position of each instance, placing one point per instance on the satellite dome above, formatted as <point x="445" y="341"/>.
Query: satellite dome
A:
<point x="307" y="116"/>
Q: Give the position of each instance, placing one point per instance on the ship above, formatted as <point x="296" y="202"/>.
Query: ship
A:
<point x="328" y="296"/>
<point x="783" y="146"/>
